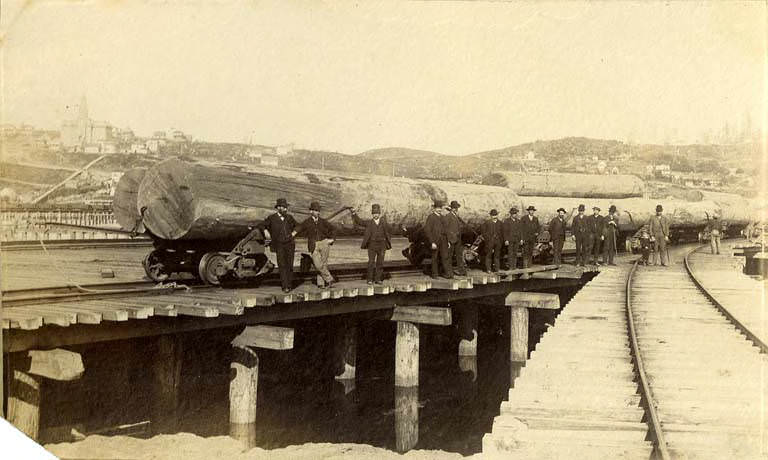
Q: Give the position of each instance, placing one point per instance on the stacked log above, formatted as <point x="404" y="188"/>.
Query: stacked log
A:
<point x="633" y="212"/>
<point x="568" y="185"/>
<point x="203" y="201"/>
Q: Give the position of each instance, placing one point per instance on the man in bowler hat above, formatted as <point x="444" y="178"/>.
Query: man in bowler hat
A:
<point x="531" y="228"/>
<point x="658" y="227"/>
<point x="513" y="237"/>
<point x="376" y="240"/>
<point x="557" y="235"/>
<point x="434" y="230"/>
<point x="610" y="233"/>
<point x="491" y="231"/>
<point x="320" y="237"/>
<point x="595" y="224"/>
<point x="581" y="235"/>
<point x="279" y="232"/>
<point x="453" y="225"/>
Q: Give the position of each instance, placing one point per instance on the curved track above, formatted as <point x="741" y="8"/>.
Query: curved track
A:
<point x="702" y="382"/>
<point x="643" y="362"/>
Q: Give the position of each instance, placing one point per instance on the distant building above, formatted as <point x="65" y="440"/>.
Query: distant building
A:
<point x="138" y="147"/>
<point x="282" y="150"/>
<point x="269" y="160"/>
<point x="662" y="170"/>
<point x="84" y="134"/>
<point x="530" y="156"/>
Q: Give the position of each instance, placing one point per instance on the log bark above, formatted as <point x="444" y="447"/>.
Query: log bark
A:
<point x="193" y="201"/>
<point x="680" y="213"/>
<point x="124" y="202"/>
<point x="568" y="185"/>
<point x="204" y="201"/>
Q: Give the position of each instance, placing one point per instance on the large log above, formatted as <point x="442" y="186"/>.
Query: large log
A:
<point x="568" y="185"/>
<point x="633" y="212"/>
<point x="733" y="208"/>
<point x="124" y="202"/>
<point x="404" y="201"/>
<point x="199" y="201"/>
<point x="193" y="201"/>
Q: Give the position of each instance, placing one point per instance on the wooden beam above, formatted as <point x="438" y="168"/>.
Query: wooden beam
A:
<point x="346" y="352"/>
<point x="23" y="396"/>
<point x="438" y="316"/>
<point x="166" y="365"/>
<point x="21" y="340"/>
<point x="243" y="387"/>
<point x="406" y="418"/>
<point x="269" y="337"/>
<point x="533" y="300"/>
<point x="468" y="331"/>
<point x="407" y="354"/>
<point x="518" y="334"/>
<point x="56" y="364"/>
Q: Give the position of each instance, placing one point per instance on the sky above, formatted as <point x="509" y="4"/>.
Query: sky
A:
<point x="452" y="77"/>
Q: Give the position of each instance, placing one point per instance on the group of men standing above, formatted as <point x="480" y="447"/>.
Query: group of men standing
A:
<point x="515" y="233"/>
<point x="443" y="229"/>
<point x="592" y="232"/>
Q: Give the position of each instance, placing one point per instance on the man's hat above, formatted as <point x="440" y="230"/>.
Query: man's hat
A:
<point x="438" y="204"/>
<point x="596" y="207"/>
<point x="560" y="209"/>
<point x="530" y="208"/>
<point x="659" y="208"/>
<point x="582" y="207"/>
<point x="455" y="204"/>
<point x="494" y="212"/>
<point x="314" y="206"/>
<point x="513" y="210"/>
<point x="281" y="202"/>
<point x="612" y="208"/>
<point x="375" y="209"/>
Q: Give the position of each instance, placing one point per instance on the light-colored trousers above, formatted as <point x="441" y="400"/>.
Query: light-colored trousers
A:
<point x="714" y="243"/>
<point x="320" y="259"/>
<point x="660" y="250"/>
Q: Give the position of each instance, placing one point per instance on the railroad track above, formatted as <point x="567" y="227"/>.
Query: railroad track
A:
<point x="36" y="296"/>
<point x="75" y="244"/>
<point x="643" y="363"/>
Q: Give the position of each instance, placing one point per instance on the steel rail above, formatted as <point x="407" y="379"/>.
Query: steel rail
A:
<point x="739" y="325"/>
<point x="654" y="424"/>
<point x="38" y="296"/>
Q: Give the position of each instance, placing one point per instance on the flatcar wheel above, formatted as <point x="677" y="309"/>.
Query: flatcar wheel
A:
<point x="154" y="268"/>
<point x="212" y="267"/>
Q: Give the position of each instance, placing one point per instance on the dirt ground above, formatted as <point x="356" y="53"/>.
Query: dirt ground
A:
<point x="191" y="447"/>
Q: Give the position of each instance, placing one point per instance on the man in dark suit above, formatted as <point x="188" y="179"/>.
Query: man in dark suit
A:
<point x="581" y="235"/>
<point x="513" y="237"/>
<point x="437" y="239"/>
<point x="492" y="232"/>
<point x="320" y="237"/>
<point x="557" y="235"/>
<point x="595" y="224"/>
<point x="530" y="229"/>
<point x="376" y="240"/>
<point x="279" y="230"/>
<point x="453" y="225"/>
<point x="610" y="233"/>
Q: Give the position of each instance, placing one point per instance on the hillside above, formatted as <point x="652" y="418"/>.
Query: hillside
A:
<point x="402" y="153"/>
